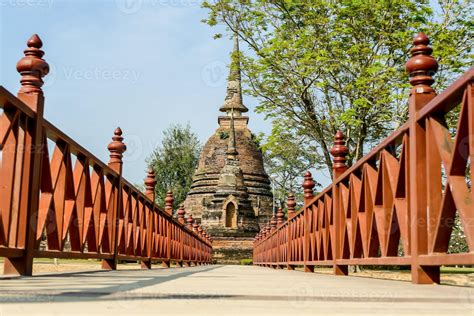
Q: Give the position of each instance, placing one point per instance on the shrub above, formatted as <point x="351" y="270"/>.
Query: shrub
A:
<point x="246" y="262"/>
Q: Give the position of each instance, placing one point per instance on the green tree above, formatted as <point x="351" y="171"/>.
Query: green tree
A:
<point x="174" y="163"/>
<point x="319" y="66"/>
<point x="286" y="159"/>
<point x="458" y="243"/>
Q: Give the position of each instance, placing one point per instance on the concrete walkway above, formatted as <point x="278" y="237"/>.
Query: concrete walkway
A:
<point x="225" y="290"/>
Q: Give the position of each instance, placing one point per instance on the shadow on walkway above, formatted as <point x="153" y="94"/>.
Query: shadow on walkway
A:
<point x="90" y="285"/>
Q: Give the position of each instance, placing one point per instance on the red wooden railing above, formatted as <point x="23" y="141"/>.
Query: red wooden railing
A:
<point x="404" y="194"/>
<point x="68" y="196"/>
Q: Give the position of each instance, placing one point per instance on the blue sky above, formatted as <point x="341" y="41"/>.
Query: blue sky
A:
<point x="138" y="64"/>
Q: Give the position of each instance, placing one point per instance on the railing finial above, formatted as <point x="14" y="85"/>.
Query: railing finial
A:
<point x="169" y="202"/>
<point x="150" y="183"/>
<point x="116" y="149"/>
<point x="273" y="223"/>
<point x="421" y="66"/>
<point x="32" y="67"/>
<point x="189" y="221"/>
<point x="291" y="203"/>
<point x="280" y="217"/>
<point x="181" y="212"/>
<point x="308" y="186"/>
<point x="339" y="151"/>
<point x="195" y="227"/>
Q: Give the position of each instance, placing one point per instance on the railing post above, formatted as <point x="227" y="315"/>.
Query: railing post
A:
<point x="255" y="250"/>
<point x="32" y="69"/>
<point x="256" y="247"/>
<point x="209" y="250"/>
<point x="273" y="226"/>
<point x="273" y="223"/>
<point x="196" y="255"/>
<point x="200" y="249"/>
<point x="264" y="245"/>
<point x="206" y="237"/>
<point x="280" y="217"/>
<point x="308" y="186"/>
<point x="258" y="253"/>
<point x="291" y="204"/>
<point x="181" y="212"/>
<point x="169" y="199"/>
<point x="168" y="209"/>
<point x="421" y="67"/>
<point x="280" y="221"/>
<point x="339" y="151"/>
<point x="189" y="226"/>
<point x="189" y="222"/>
<point x="150" y="183"/>
<point x="116" y="149"/>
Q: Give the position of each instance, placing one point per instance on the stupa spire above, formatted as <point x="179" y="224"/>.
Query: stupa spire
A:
<point x="231" y="146"/>
<point x="233" y="100"/>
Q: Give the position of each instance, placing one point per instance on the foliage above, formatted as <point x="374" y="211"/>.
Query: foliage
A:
<point x="458" y="242"/>
<point x="223" y="135"/>
<point x="286" y="157"/>
<point x="319" y="66"/>
<point x="174" y="163"/>
<point x="246" y="262"/>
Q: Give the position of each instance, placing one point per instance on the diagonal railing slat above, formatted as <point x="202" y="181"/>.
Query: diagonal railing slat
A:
<point x="397" y="204"/>
<point x="58" y="200"/>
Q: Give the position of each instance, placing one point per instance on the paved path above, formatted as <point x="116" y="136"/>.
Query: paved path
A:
<point x="225" y="290"/>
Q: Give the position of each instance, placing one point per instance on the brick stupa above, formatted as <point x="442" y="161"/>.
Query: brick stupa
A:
<point x="231" y="195"/>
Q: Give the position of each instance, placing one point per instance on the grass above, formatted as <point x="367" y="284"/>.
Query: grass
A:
<point x="455" y="270"/>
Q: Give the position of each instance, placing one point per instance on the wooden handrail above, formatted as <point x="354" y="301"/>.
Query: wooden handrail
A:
<point x="9" y="100"/>
<point x="397" y="194"/>
<point x="88" y="204"/>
